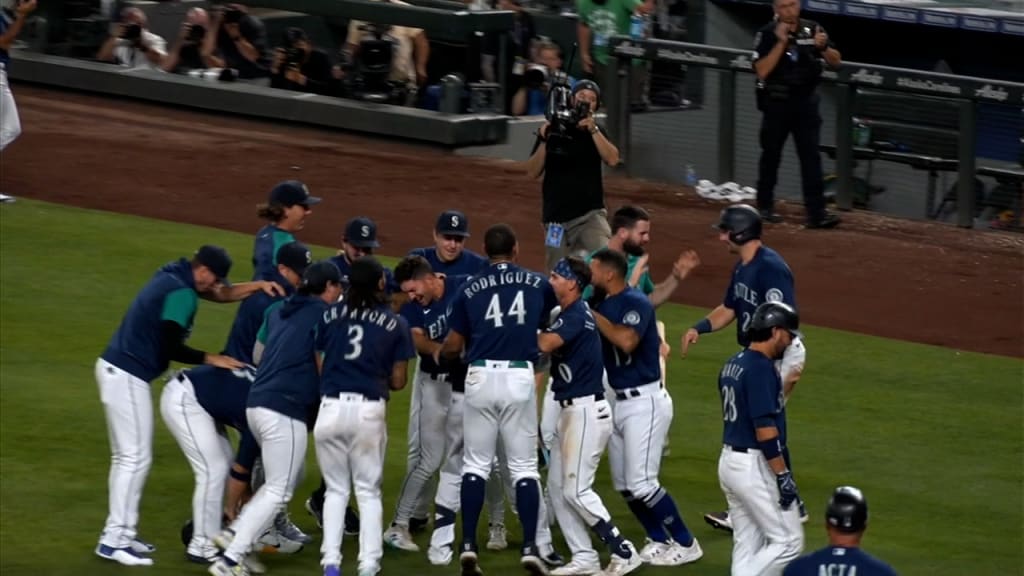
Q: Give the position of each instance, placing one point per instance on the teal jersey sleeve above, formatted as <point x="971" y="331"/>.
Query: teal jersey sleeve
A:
<point x="180" y="307"/>
<point x="646" y="283"/>
<point x="281" y="238"/>
<point x="261" y="336"/>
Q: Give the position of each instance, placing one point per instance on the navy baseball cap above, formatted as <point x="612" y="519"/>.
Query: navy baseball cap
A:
<point x="361" y="232"/>
<point x="295" y="255"/>
<point x="452" y="223"/>
<point x="318" y="274"/>
<point x="217" y="260"/>
<point x="366" y="272"/>
<point x="292" y="192"/>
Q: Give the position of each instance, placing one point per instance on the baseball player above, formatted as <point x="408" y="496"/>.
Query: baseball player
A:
<point x="760" y="275"/>
<point x="286" y="211"/>
<point x="198" y="403"/>
<point x="846" y="519"/>
<point x="285" y="389"/>
<point x="494" y="322"/>
<point x="365" y="349"/>
<point x="152" y="334"/>
<point x="11" y="23"/>
<point x="642" y="414"/>
<point x="584" y="426"/>
<point x="449" y="255"/>
<point x="758" y="485"/>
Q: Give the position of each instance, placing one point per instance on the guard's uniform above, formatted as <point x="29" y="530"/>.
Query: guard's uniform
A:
<point x="788" y="100"/>
<point x="360" y="349"/>
<point x="285" y="389"/>
<point x="839" y="560"/>
<point x="765" y="536"/>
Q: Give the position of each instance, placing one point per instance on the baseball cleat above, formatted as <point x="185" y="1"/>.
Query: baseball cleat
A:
<point x="140" y="546"/>
<point x="719" y="520"/>
<point x="369" y="569"/>
<point x="351" y="522"/>
<point x="253" y="565"/>
<point x="315" y="510"/>
<point x="286" y="528"/>
<point x="578" y="568"/>
<point x="273" y="542"/>
<point x="125" y="556"/>
<point x="332" y="570"/>
<point x="223" y="540"/>
<point x="398" y="536"/>
<point x="470" y="561"/>
<point x="551" y="557"/>
<point x="677" y="554"/>
<point x="201" y="551"/>
<point x="533" y="564"/>
<point x="651" y="549"/>
<point x="221" y="567"/>
<point x="440" y="555"/>
<point x="618" y="565"/>
<point x="497" y="539"/>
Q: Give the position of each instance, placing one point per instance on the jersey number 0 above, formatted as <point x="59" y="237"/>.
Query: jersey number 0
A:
<point x="495" y="315"/>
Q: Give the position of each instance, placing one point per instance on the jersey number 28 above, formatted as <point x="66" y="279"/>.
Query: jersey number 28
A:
<point x="517" y="310"/>
<point x="728" y="403"/>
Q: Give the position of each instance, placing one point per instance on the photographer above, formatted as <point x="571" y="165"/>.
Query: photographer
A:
<point x="569" y="151"/>
<point x="531" y="99"/>
<point x="238" y="41"/>
<point x="298" y="66"/>
<point x="789" y="55"/>
<point x="187" y="53"/>
<point x="132" y="45"/>
<point x="410" y="53"/>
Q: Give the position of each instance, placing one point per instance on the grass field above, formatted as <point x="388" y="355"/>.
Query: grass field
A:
<point x="933" y="436"/>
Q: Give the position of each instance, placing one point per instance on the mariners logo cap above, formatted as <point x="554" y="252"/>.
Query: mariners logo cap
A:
<point x="292" y="192"/>
<point x="217" y="260"/>
<point x="296" y="256"/>
<point x="361" y="232"/>
<point x="452" y="223"/>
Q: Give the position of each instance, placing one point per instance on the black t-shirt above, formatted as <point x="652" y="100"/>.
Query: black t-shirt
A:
<point x="316" y="69"/>
<point x="573" y="183"/>
<point x="800" y="66"/>
<point x="252" y="30"/>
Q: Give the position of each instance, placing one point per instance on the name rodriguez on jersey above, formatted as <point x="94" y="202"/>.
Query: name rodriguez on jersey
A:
<point x="505" y="278"/>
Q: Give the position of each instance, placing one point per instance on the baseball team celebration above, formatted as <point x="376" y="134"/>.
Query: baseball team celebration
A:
<point x="244" y="346"/>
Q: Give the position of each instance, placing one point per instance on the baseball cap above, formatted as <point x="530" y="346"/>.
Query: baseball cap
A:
<point x="366" y="272"/>
<point x="318" y="274"/>
<point x="292" y="192"/>
<point x="295" y="255"/>
<point x="452" y="223"/>
<point x="361" y="232"/>
<point x="216" y="259"/>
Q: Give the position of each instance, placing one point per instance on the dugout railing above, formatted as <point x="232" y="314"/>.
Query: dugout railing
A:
<point x="965" y="93"/>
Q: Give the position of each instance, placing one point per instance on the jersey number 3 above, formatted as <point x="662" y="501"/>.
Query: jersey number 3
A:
<point x="495" y="315"/>
<point x="355" y="342"/>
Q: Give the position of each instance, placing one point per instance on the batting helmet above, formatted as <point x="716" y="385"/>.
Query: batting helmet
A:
<point x="775" y="315"/>
<point x="742" y="222"/>
<point x="847" y="510"/>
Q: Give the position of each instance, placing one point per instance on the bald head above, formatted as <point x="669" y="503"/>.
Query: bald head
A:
<point x="197" y="16"/>
<point x="133" y="15"/>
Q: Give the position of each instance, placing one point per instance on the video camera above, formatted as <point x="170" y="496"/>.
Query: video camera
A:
<point x="196" y="33"/>
<point x="536" y="76"/>
<point x="131" y="32"/>
<point x="369" y="73"/>
<point x="563" y="113"/>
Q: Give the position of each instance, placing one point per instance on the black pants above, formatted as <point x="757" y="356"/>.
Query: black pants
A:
<point x="801" y="117"/>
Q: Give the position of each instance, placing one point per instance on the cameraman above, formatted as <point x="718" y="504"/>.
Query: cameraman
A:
<point x="131" y="44"/>
<point x="574" y="215"/>
<point x="298" y="66"/>
<point x="237" y="40"/>
<point x="187" y="53"/>
<point x="531" y="99"/>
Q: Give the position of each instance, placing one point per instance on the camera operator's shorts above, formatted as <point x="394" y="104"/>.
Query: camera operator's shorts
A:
<point x="580" y="237"/>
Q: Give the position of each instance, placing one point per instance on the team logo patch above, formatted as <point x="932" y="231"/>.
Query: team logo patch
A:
<point x="632" y="318"/>
<point x="773" y="295"/>
<point x="558" y="324"/>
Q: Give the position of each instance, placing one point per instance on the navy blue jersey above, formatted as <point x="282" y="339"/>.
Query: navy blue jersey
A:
<point x="6" y="19"/>
<point x="360" y="348"/>
<point x="766" y="278"/>
<point x="287" y="380"/>
<point x="838" y="561"/>
<point x="344" y="266"/>
<point x="264" y="253"/>
<point x="136" y="347"/>
<point x="499" y="310"/>
<point x="433" y="320"/>
<point x="467" y="263"/>
<point x="248" y="319"/>
<point x="577" y="368"/>
<point x="751" y="392"/>
<point x="224" y="395"/>
<point x="632" y="308"/>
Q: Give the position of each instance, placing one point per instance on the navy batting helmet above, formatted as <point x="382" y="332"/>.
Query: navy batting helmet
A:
<point x="847" y="510"/>
<point x="775" y="315"/>
<point x="742" y="222"/>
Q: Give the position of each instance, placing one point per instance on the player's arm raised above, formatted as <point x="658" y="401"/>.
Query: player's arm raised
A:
<point x="622" y="336"/>
<point x="223" y="294"/>
<point x="686" y="263"/>
<point x="719" y="318"/>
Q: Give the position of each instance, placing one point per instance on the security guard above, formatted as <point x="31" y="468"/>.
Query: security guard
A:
<point x="788" y="54"/>
<point x="846" y="519"/>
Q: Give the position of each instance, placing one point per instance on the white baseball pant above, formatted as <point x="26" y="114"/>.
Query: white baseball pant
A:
<point x="129" y="412"/>
<point x="282" y="443"/>
<point x="208" y="451"/>
<point x="765" y="537"/>
<point x="581" y="436"/>
<point x="10" y="123"/>
<point x="351" y="436"/>
<point x="634" y="450"/>
<point x="500" y="401"/>
<point x="428" y="408"/>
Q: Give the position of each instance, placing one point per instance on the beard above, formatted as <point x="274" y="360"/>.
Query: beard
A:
<point x="632" y="248"/>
